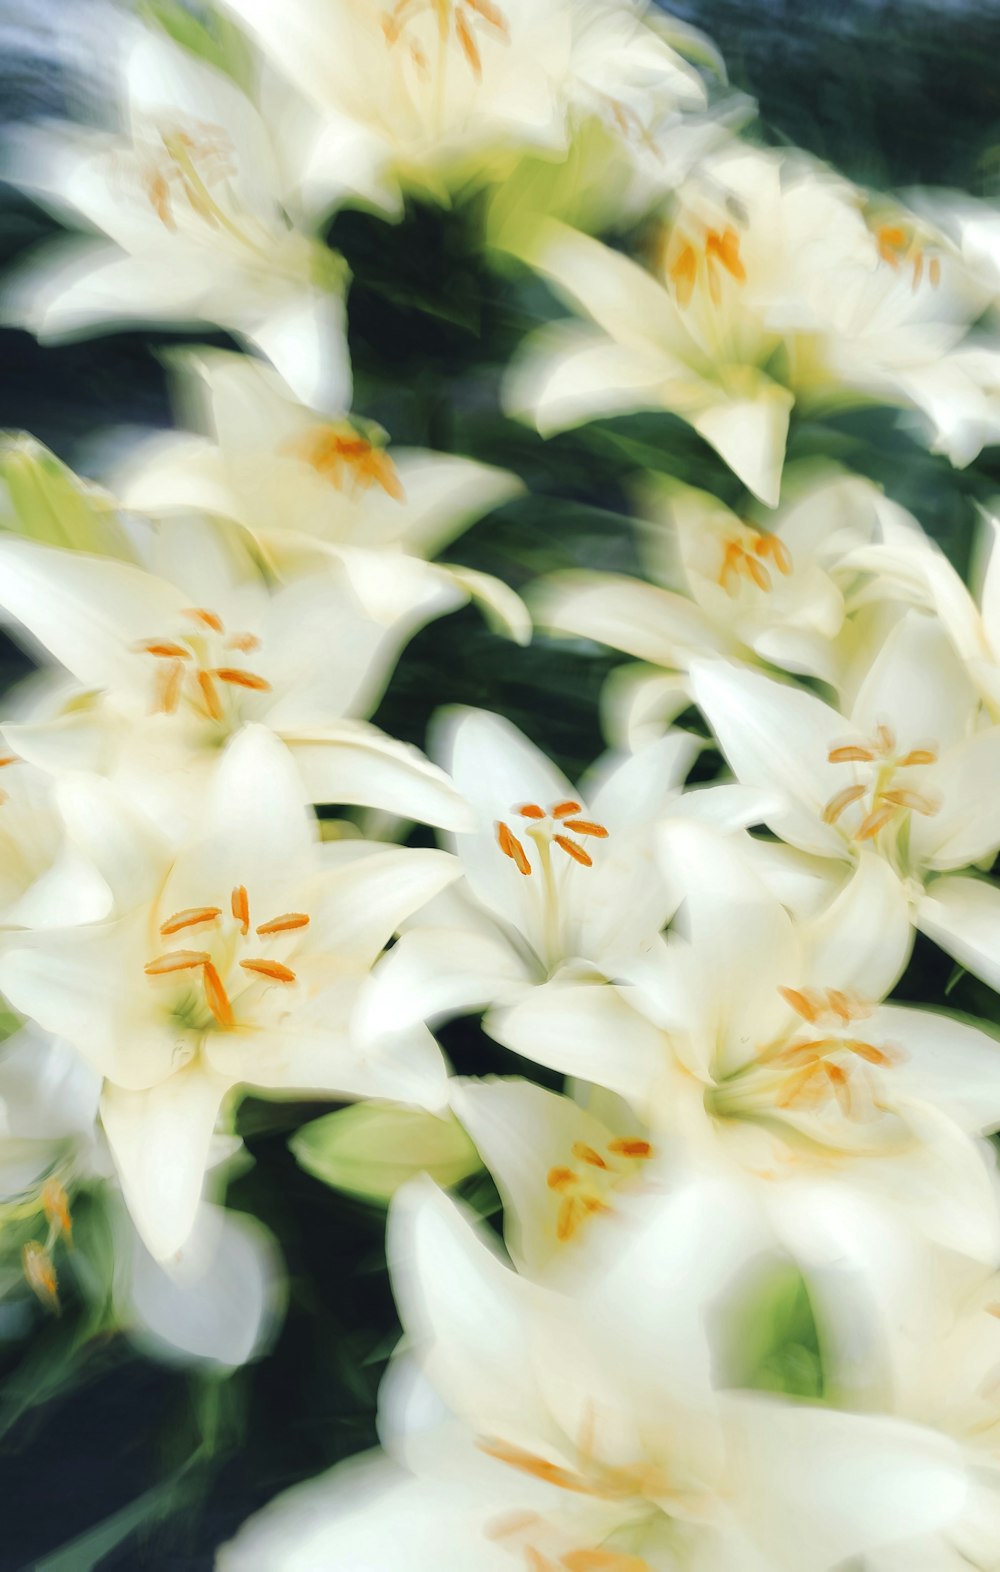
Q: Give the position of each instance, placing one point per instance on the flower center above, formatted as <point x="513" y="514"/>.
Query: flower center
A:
<point x="454" y="18"/>
<point x="194" y="665"/>
<point x="546" y="827"/>
<point x="223" y="970"/>
<point x="347" y="460"/>
<point x="584" y="1194"/>
<point x="829" y="1061"/>
<point x="189" y="161"/>
<point x="744" y="559"/>
<point x="879" y="800"/>
<point x="690" y="264"/>
<point x="898" y="247"/>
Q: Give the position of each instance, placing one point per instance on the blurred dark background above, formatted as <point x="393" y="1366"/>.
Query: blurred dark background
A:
<point x="106" y="1459"/>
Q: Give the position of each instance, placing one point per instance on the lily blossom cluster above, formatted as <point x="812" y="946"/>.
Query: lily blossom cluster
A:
<point x="744" y="1315"/>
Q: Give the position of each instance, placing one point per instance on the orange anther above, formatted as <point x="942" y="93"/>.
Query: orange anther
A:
<point x="683" y="273"/>
<point x="531" y="810"/>
<point x="727" y="248"/>
<point x="586" y="1154"/>
<point x="285" y="923"/>
<point x="891" y="239"/>
<point x="190" y="918"/>
<point x="213" y="703"/>
<point x="917" y="801"/>
<point x="561" y="1178"/>
<point x="55" y="1204"/>
<point x="562" y="810"/>
<point x="176" y="961"/>
<point x="490" y="14"/>
<point x="239" y="905"/>
<point x="511" y="847"/>
<point x="169" y="688"/>
<point x="934" y="272"/>
<point x="470" y="49"/>
<point x="852" y="753"/>
<point x="918" y="269"/>
<point x="755" y="571"/>
<point x="629" y="1146"/>
<point x="242" y="679"/>
<point x="8" y="758"/>
<point x="540" y="1468"/>
<point x="841" y="801"/>
<point x="870" y="1053"/>
<point x="40" y="1274"/>
<point x="801" y="1003"/>
<point x="586" y="827"/>
<point x="164" y="649"/>
<point x="573" y="850"/>
<point x="270" y="969"/>
<point x="876" y="821"/>
<point x="885" y="739"/>
<point x="774" y="547"/>
<point x="566" y="1219"/>
<point x="211" y="619"/>
<point x="245" y="642"/>
<point x="217" y="998"/>
<point x="919" y="756"/>
<point x="841" y="1086"/>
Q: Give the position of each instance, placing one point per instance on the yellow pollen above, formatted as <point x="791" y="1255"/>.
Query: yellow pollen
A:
<point x="217" y="998"/>
<point x="240" y="907"/>
<point x="573" y="850"/>
<point x="586" y="1154"/>
<point x="240" y="678"/>
<point x="840" y="802"/>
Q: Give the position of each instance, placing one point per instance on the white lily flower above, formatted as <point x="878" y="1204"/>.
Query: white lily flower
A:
<point x="555" y="876"/>
<point x="307" y="487"/>
<point x="234" y="959"/>
<point x="767" y="592"/>
<point x="214" y="1299"/>
<point x="582" y="1431"/>
<point x="767" y="285"/>
<point x="433" y="96"/>
<point x="190" y="197"/>
<point x="907" y="771"/>
<point x="764" y="1048"/>
<point x="169" y="666"/>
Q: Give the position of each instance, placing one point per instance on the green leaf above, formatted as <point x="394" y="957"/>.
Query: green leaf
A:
<point x="371" y="1148"/>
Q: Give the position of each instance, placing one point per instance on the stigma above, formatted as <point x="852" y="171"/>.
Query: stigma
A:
<point x="545" y="826"/>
